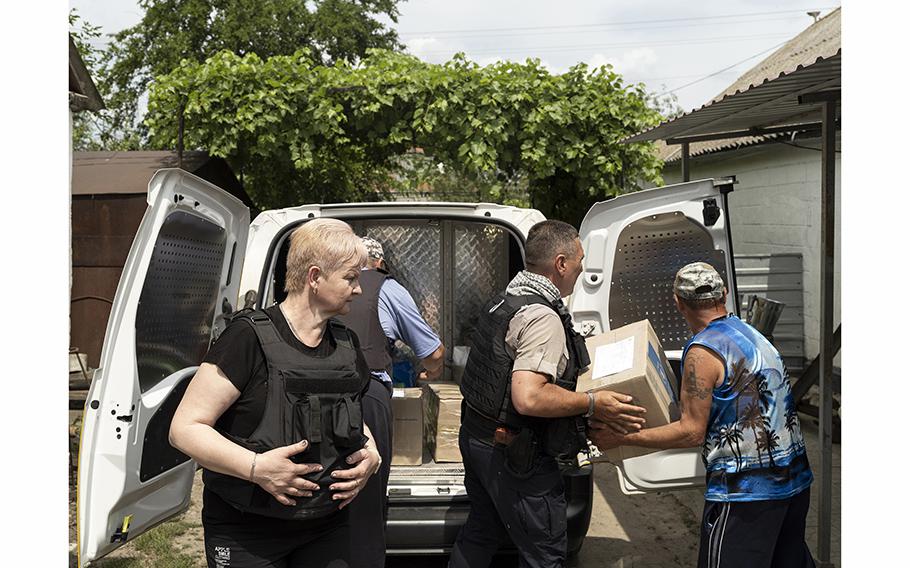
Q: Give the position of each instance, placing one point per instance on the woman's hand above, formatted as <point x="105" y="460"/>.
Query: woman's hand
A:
<point x="276" y="473"/>
<point x="351" y="481"/>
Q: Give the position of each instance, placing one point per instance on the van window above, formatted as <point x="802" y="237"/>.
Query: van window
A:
<point x="450" y="267"/>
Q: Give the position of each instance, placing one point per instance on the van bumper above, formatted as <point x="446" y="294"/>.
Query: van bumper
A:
<point x="421" y="528"/>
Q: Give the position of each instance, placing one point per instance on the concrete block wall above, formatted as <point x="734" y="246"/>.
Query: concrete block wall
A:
<point x="776" y="208"/>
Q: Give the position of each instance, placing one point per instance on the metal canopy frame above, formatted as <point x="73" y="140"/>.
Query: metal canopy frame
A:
<point x="806" y="99"/>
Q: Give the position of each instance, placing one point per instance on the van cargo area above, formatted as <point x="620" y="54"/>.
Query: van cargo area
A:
<point x="451" y="267"/>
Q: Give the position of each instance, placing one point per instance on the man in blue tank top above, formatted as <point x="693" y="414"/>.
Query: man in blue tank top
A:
<point x="737" y="404"/>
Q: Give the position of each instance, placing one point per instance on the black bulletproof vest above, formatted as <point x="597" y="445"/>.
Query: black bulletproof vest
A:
<point x="308" y="398"/>
<point x="487" y="380"/>
<point x="363" y="319"/>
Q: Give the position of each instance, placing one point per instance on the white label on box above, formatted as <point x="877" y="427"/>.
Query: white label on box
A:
<point x="397" y="393"/>
<point x="613" y="358"/>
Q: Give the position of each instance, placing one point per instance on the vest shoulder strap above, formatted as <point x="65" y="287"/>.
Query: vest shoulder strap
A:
<point x="269" y="339"/>
<point x="341" y="334"/>
<point x="263" y="326"/>
<point x="511" y="304"/>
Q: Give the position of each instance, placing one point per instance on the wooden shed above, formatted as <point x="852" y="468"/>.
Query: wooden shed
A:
<point x="108" y="201"/>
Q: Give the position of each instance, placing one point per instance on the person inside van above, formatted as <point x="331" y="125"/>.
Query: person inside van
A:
<point x="274" y="416"/>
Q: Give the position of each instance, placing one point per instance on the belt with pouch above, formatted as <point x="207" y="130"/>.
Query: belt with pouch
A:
<point x="485" y="429"/>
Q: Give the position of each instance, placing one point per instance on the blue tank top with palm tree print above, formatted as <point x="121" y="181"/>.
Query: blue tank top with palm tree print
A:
<point x="753" y="449"/>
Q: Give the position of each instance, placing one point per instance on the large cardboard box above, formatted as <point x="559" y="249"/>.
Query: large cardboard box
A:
<point x="443" y="421"/>
<point x="630" y="360"/>
<point x="407" y="428"/>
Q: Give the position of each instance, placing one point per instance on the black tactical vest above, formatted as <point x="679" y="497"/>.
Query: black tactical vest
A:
<point x="363" y="319"/>
<point x="309" y="398"/>
<point x="487" y="380"/>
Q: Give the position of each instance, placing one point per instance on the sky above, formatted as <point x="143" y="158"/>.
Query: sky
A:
<point x="692" y="50"/>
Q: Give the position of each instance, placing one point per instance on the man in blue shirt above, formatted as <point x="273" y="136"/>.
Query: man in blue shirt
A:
<point x="383" y="313"/>
<point x="737" y="404"/>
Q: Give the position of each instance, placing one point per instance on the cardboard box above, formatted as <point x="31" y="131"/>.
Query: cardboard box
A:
<point x="630" y="360"/>
<point x="407" y="428"/>
<point x="443" y="421"/>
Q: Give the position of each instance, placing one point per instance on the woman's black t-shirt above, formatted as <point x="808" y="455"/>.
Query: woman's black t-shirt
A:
<point x="238" y="354"/>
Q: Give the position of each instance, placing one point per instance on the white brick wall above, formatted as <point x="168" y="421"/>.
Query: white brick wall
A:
<point x="776" y="208"/>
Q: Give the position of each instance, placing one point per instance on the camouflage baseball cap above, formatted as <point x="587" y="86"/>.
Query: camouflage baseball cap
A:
<point x="374" y="248"/>
<point x="698" y="281"/>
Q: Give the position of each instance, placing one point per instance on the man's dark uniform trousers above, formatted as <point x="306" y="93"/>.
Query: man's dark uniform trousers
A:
<point x="368" y="509"/>
<point x="511" y="470"/>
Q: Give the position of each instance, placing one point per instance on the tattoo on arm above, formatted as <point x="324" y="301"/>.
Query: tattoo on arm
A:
<point x="692" y="383"/>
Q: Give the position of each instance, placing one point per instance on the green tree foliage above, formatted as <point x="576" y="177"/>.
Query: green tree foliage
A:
<point x="173" y="30"/>
<point x="666" y="103"/>
<point x="302" y="131"/>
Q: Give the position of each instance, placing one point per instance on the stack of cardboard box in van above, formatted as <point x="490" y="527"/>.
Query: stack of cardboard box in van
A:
<point x="443" y="421"/>
<point x="407" y="428"/>
<point x="427" y="416"/>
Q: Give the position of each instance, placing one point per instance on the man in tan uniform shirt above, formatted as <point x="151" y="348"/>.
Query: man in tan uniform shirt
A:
<point x="537" y="342"/>
<point x="509" y="439"/>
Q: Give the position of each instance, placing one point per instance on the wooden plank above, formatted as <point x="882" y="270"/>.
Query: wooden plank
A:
<point x="101" y="250"/>
<point x="92" y="291"/>
<point x="107" y="214"/>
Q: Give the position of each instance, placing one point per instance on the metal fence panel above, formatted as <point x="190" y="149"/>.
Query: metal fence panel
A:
<point x="777" y="277"/>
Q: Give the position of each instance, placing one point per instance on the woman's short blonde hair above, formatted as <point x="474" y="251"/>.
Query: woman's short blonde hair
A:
<point x="329" y="244"/>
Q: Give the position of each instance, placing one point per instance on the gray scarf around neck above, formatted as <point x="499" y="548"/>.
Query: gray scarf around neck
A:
<point x="526" y="283"/>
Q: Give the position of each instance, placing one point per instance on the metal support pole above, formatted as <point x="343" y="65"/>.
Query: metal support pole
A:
<point x="685" y="161"/>
<point x="829" y="101"/>
<point x="180" y="127"/>
<point x="826" y="331"/>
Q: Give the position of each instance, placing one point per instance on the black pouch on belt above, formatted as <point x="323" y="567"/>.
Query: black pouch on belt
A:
<point x="521" y="454"/>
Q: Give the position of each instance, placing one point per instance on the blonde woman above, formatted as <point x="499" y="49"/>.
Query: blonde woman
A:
<point x="274" y="417"/>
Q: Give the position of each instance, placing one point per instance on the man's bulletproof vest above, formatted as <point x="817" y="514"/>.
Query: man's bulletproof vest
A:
<point x="308" y="398"/>
<point x="363" y="319"/>
<point x="487" y="380"/>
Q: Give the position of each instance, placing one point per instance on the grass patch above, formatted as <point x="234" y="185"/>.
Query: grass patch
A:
<point x="155" y="548"/>
<point x="119" y="563"/>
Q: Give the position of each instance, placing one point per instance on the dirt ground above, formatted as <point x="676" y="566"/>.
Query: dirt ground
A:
<point x="640" y="531"/>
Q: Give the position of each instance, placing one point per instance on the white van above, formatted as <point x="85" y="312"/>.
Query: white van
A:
<point x="196" y="258"/>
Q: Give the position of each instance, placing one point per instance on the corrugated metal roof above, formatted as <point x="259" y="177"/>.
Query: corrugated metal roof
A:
<point x="673" y="152"/>
<point x="764" y="96"/>
<point x="125" y="172"/>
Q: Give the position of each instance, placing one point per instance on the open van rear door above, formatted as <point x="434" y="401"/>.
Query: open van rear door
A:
<point x="178" y="283"/>
<point x="634" y="245"/>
